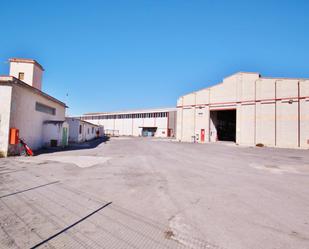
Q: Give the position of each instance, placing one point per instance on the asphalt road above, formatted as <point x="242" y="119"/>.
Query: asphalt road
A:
<point x="163" y="194"/>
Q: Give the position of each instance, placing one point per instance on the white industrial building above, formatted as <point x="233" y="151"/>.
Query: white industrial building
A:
<point x="153" y="122"/>
<point x="27" y="112"/>
<point x="249" y="110"/>
<point x="81" y="130"/>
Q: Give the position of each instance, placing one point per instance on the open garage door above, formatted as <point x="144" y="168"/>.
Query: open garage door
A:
<point x="149" y="131"/>
<point x="223" y="125"/>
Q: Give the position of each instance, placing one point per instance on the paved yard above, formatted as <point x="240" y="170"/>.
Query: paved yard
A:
<point x="148" y="193"/>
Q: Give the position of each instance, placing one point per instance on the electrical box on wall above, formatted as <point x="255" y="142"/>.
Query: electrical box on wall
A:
<point x="14" y="136"/>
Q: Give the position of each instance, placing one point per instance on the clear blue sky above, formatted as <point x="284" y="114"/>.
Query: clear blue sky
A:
<point x="116" y="55"/>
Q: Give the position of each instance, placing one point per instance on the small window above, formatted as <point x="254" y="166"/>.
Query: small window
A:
<point x="44" y="108"/>
<point x="92" y="130"/>
<point x="80" y="129"/>
<point x="21" y="76"/>
<point x="88" y="131"/>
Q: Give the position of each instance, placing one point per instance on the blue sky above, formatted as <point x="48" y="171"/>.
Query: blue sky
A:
<point x="119" y="55"/>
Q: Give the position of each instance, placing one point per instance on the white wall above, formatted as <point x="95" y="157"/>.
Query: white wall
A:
<point x="75" y="136"/>
<point x="54" y="131"/>
<point x="89" y="131"/>
<point x="37" y="77"/>
<point x="32" y="73"/>
<point x="304" y="114"/>
<point x="202" y="122"/>
<point x="27" y="119"/>
<point x="26" y="68"/>
<point x="161" y="123"/>
<point x="5" y="110"/>
<point x="188" y="124"/>
<point x="137" y="124"/>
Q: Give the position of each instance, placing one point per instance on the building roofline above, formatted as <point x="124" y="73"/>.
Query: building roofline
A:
<point x="12" y="80"/>
<point x="241" y="72"/>
<point x="83" y="121"/>
<point x="229" y="76"/>
<point x="132" y="111"/>
<point x="23" y="60"/>
<point x="284" y="78"/>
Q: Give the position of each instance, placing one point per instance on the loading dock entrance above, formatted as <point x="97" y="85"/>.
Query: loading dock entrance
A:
<point x="149" y="131"/>
<point x="223" y="125"/>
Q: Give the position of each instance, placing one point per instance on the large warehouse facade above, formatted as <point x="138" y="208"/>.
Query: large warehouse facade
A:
<point x="152" y="122"/>
<point x="249" y="110"/>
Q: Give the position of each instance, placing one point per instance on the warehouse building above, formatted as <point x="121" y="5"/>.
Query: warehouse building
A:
<point x="150" y="123"/>
<point x="249" y="110"/>
<point x="27" y="112"/>
<point x="81" y="130"/>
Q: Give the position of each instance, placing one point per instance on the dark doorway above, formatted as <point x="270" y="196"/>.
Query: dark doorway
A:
<point x="224" y="124"/>
<point x="149" y="131"/>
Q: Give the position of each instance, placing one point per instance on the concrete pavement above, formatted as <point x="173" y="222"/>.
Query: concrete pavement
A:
<point x="164" y="194"/>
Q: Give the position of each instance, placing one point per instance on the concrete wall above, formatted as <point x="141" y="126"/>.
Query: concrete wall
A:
<point x="273" y="112"/>
<point x="5" y="112"/>
<point x="29" y="121"/>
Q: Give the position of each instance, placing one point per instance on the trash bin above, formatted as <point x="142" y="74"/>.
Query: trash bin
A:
<point x="53" y="143"/>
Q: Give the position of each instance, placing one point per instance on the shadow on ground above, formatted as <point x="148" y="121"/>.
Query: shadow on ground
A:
<point x="74" y="146"/>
